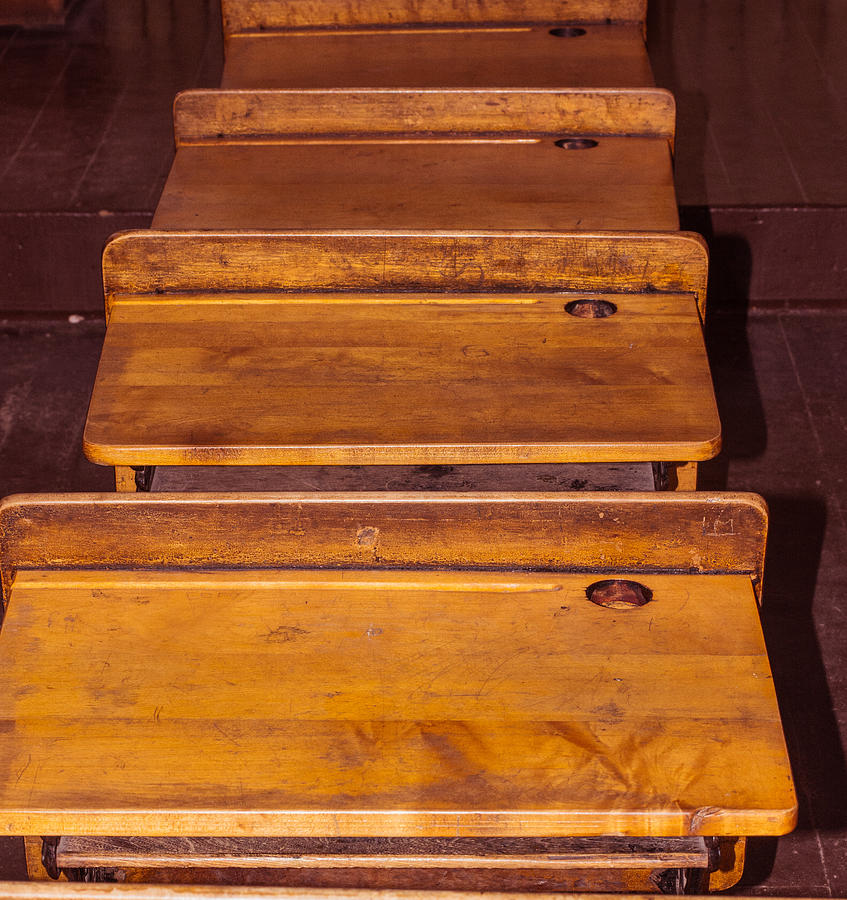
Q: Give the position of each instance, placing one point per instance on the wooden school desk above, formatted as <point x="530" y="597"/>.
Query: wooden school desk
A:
<point x="441" y="161"/>
<point x="251" y="361"/>
<point x="316" y="670"/>
<point x="536" y="44"/>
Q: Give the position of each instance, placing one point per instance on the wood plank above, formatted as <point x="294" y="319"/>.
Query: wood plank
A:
<point x="604" y="56"/>
<point x="255" y="15"/>
<point x="622" y="184"/>
<point x="395" y="380"/>
<point x="404" y="853"/>
<point x="155" y="262"/>
<point x="511" y="477"/>
<point x="707" y="533"/>
<point x="216" y="116"/>
<point x="664" y="720"/>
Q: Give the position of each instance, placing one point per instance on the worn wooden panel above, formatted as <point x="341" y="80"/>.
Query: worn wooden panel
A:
<point x="401" y="379"/>
<point x="615" y="532"/>
<point x="396" y="853"/>
<point x="154" y="262"/>
<point x="605" y="56"/>
<point x="256" y="15"/>
<point x="510" y="477"/>
<point x="622" y="184"/>
<point x="374" y="704"/>
<point x="218" y="116"/>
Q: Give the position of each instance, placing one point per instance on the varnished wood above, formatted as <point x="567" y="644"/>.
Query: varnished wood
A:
<point x="396" y="853"/>
<point x="124" y="479"/>
<point x="605" y="56"/>
<point x="326" y="679"/>
<point x="623" y="184"/>
<point x="155" y="262"/>
<point x="709" y="533"/>
<point x="259" y="15"/>
<point x="216" y="117"/>
<point x="685" y="476"/>
<point x="400" y="379"/>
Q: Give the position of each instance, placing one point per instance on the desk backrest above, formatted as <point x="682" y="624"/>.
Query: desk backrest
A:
<point x="161" y="262"/>
<point x="220" y="116"/>
<point x="615" y="532"/>
<point x="244" y="16"/>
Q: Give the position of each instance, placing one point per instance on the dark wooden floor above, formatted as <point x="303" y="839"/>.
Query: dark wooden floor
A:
<point x="762" y="93"/>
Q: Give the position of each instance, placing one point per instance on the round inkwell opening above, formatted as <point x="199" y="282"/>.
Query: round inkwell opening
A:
<point x="590" y="309"/>
<point x="576" y="143"/>
<point x="567" y="31"/>
<point x="617" y="593"/>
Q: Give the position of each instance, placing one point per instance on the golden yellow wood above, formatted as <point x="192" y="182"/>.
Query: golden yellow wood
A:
<point x="124" y="479"/>
<point x="257" y="15"/>
<point x="623" y="184"/>
<point x="521" y="56"/>
<point x="155" y="262"/>
<point x="663" y="721"/>
<point x="707" y="533"/>
<point x="214" y="116"/>
<point x="395" y="379"/>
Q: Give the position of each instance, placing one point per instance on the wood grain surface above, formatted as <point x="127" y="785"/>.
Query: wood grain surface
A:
<point x="394" y="853"/>
<point x="394" y="379"/>
<point x="623" y="184"/>
<point x="218" y="116"/>
<point x="256" y="15"/>
<point x="157" y="262"/>
<point x="605" y="56"/>
<point x="386" y="704"/>
<point x="709" y="533"/>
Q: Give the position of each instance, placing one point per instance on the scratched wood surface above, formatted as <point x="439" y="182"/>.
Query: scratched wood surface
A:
<point x="386" y="704"/>
<point x="603" y="56"/>
<point x="217" y="116"/>
<point x="394" y="379"/>
<point x="622" y="184"/>
<point x="257" y="15"/>
<point x="397" y="853"/>
<point x="709" y="533"/>
<point x="158" y="262"/>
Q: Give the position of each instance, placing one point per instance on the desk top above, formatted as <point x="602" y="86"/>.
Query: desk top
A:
<point x="386" y="703"/>
<point x="596" y="56"/>
<point x="622" y="184"/>
<point x="393" y="379"/>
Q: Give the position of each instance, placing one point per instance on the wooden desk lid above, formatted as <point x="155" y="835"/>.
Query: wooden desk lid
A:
<point x="260" y="15"/>
<point x="378" y="702"/>
<point x="546" y="56"/>
<point x="400" y="379"/>
<point x="533" y="184"/>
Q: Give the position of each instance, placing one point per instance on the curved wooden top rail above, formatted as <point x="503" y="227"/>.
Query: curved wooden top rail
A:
<point x="215" y="116"/>
<point x="158" y="262"/>
<point x="261" y="15"/>
<point x="626" y="532"/>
